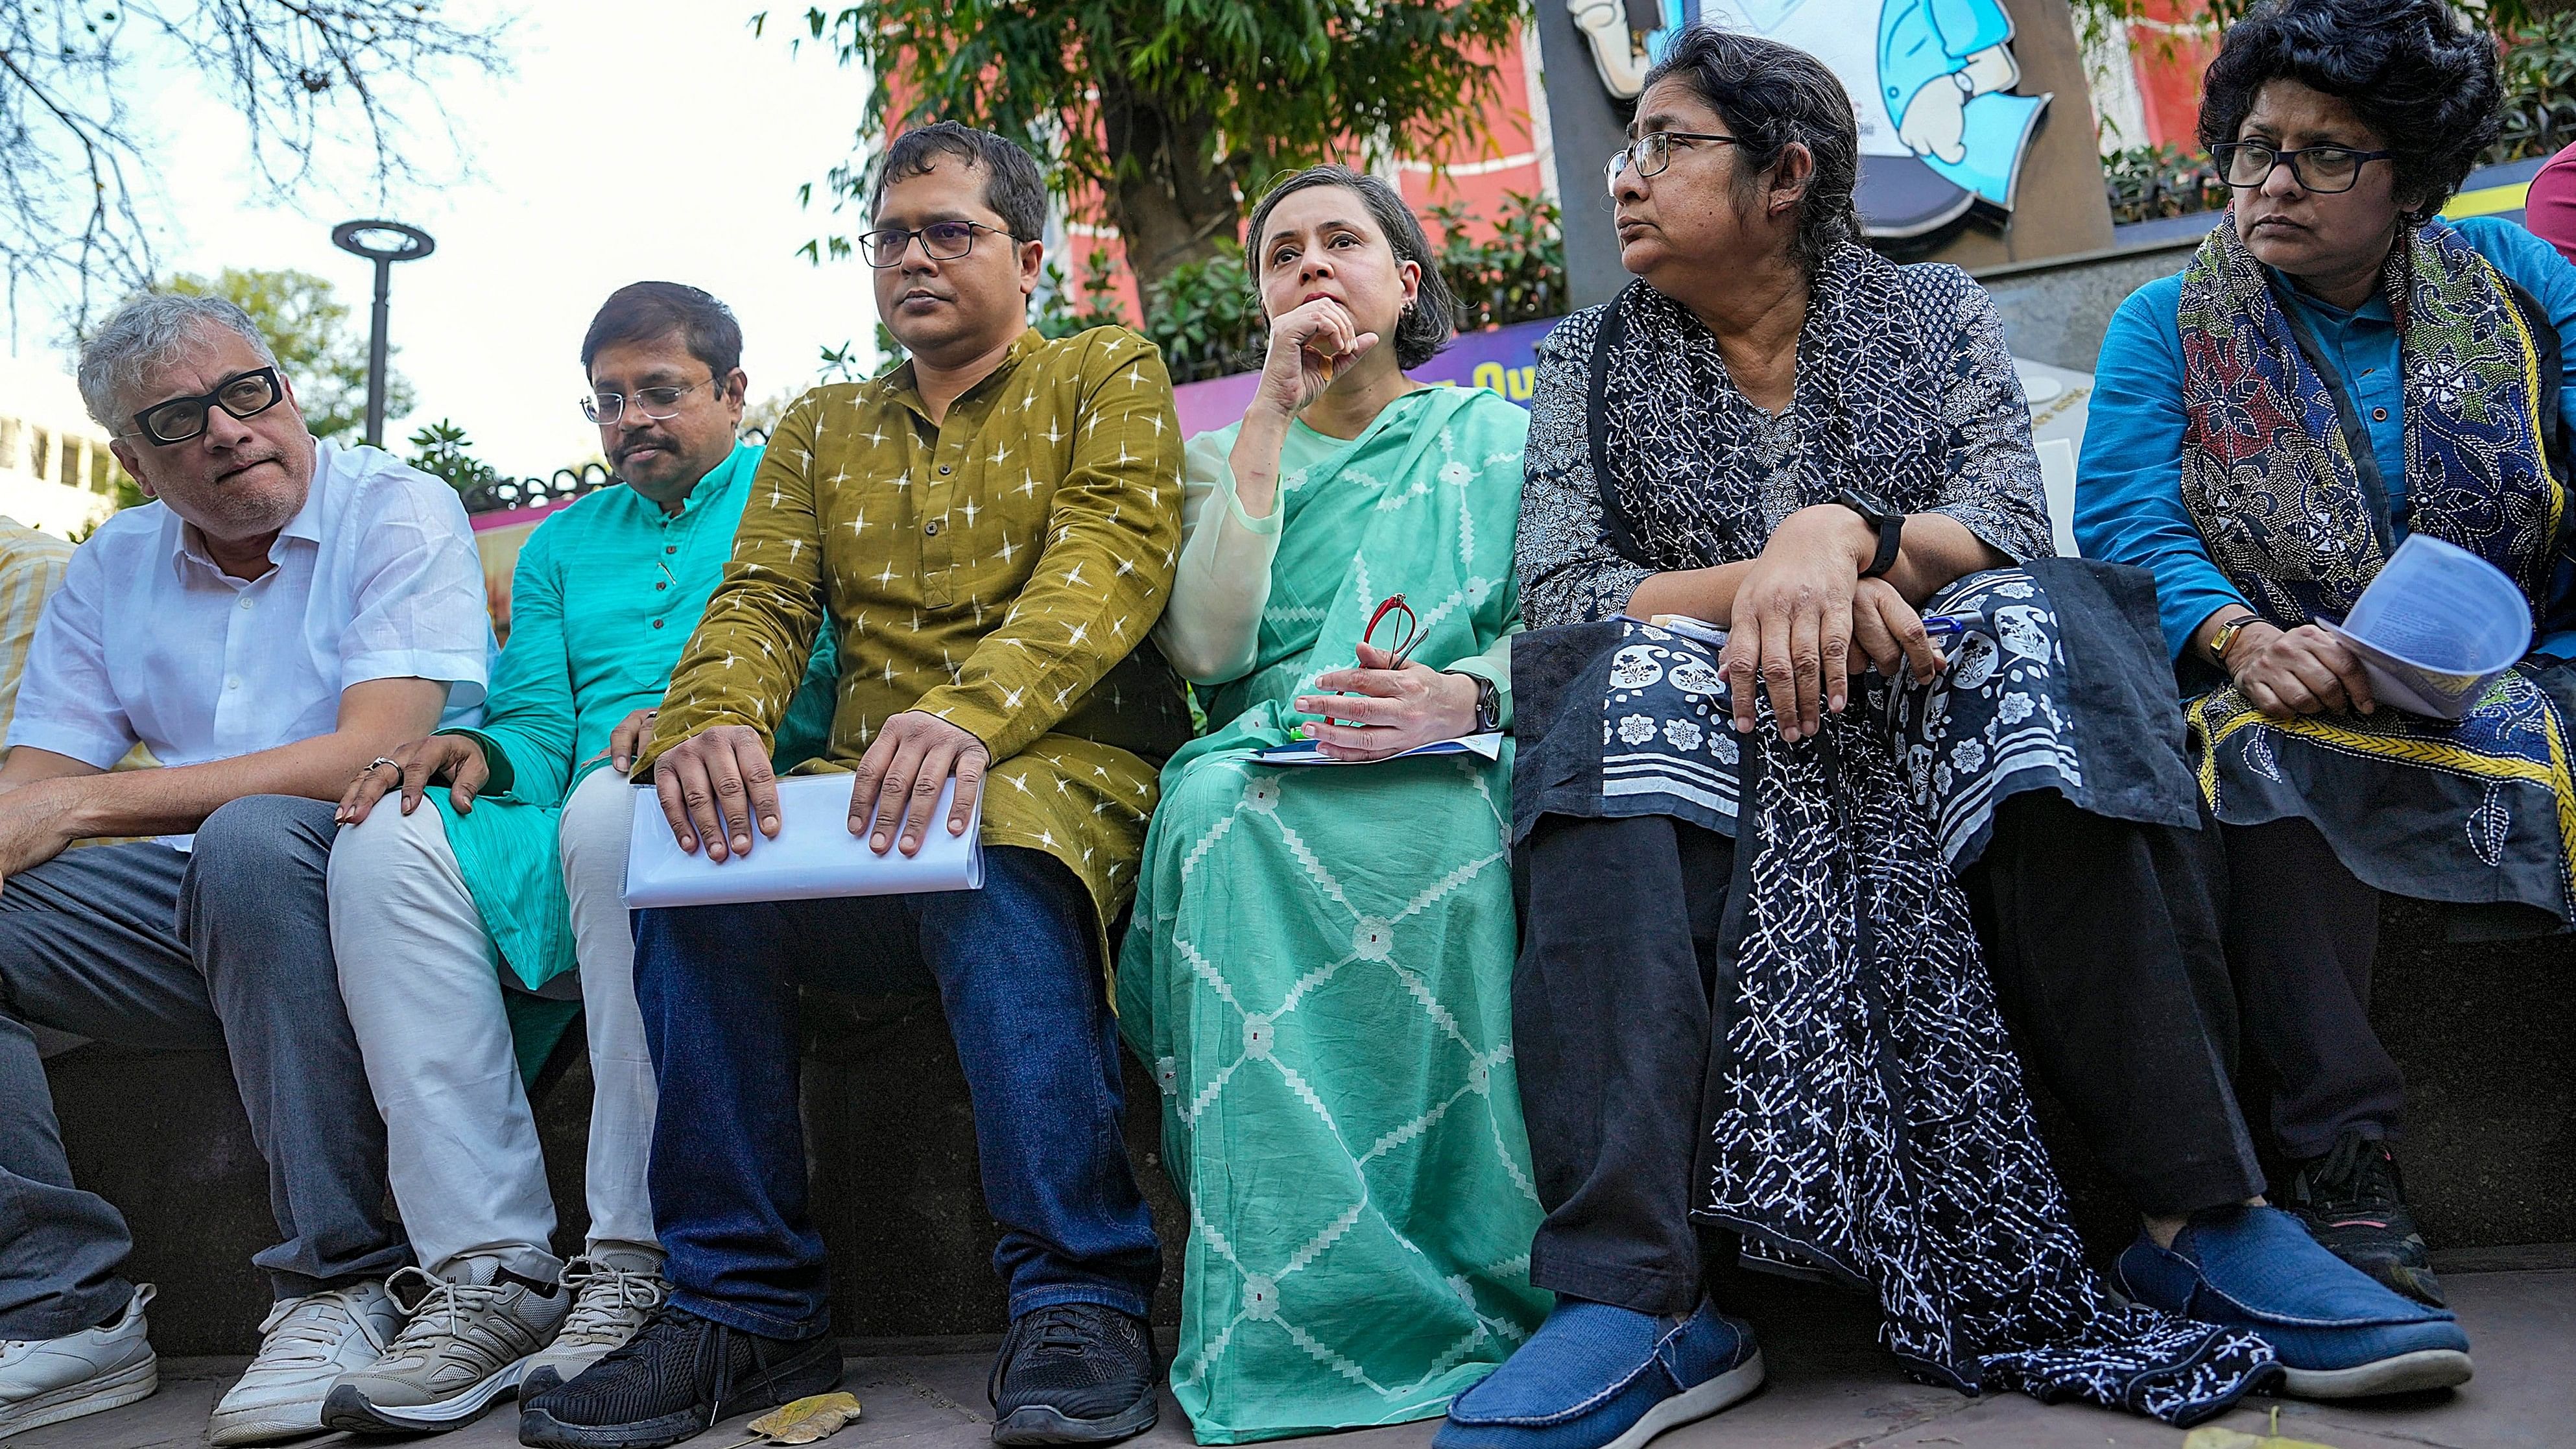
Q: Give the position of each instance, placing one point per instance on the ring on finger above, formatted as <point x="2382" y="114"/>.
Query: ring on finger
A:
<point x="378" y="763"/>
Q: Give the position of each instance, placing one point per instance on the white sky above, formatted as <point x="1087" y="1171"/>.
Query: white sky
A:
<point x="635" y="139"/>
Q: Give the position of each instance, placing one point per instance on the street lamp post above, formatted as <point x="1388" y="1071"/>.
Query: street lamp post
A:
<point x="384" y="243"/>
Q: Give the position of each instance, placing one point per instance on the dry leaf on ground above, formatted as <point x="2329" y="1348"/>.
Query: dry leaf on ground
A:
<point x="808" y="1420"/>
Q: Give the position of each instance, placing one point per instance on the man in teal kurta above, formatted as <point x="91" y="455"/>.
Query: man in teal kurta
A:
<point x="520" y="862"/>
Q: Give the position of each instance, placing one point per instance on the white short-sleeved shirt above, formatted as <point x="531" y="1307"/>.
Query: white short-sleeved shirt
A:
<point x="376" y="578"/>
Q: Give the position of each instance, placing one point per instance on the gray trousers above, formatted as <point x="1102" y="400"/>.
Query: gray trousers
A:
<point x="225" y="948"/>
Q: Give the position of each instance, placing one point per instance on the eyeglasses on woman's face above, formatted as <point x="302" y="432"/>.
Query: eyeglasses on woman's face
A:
<point x="2325" y="170"/>
<point x="655" y="404"/>
<point x="941" y="241"/>
<point x="1653" y="151"/>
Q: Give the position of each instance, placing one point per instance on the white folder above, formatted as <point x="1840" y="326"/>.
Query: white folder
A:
<point x="814" y="856"/>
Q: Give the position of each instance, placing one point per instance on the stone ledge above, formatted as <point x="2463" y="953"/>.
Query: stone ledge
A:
<point x="2487" y="1034"/>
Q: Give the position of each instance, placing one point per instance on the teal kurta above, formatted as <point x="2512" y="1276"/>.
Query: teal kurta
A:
<point x="1319" y="970"/>
<point x="606" y="594"/>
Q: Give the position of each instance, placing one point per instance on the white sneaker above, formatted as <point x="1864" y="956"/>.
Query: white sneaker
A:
<point x="89" y="1372"/>
<point x="305" y="1345"/>
<point x="615" y="1290"/>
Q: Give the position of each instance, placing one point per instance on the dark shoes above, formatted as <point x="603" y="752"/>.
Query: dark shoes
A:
<point x="2352" y="1201"/>
<point x="1074" y="1373"/>
<point x="672" y="1381"/>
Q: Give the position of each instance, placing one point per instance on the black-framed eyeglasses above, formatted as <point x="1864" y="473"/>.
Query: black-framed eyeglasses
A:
<point x="1652" y="152"/>
<point x="244" y="395"/>
<point x="2325" y="170"/>
<point x="941" y="241"/>
<point x="654" y="403"/>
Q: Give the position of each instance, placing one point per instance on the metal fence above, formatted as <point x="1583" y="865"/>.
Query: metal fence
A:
<point x="508" y="495"/>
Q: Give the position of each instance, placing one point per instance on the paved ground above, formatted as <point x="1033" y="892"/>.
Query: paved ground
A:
<point x="1830" y="1389"/>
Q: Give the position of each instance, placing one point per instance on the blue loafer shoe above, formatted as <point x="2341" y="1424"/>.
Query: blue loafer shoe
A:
<point x="2339" y="1332"/>
<point x="1598" y="1377"/>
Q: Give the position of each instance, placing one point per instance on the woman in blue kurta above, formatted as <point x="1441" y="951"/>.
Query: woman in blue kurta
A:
<point x="1320" y="961"/>
<point x="2338" y="368"/>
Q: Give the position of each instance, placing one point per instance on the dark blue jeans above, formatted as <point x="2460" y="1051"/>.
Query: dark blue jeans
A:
<point x="1016" y="969"/>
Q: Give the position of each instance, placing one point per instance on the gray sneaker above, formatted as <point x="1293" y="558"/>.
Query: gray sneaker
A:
<point x="614" y="1291"/>
<point x="465" y="1345"/>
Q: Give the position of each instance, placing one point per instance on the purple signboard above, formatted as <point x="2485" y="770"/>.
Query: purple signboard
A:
<point x="1504" y="359"/>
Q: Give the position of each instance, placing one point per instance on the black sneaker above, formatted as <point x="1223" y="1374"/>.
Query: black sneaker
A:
<point x="1075" y="1373"/>
<point x="673" y="1380"/>
<point x="2352" y="1201"/>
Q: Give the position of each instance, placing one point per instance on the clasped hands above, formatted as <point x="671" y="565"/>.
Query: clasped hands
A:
<point x="1801" y="611"/>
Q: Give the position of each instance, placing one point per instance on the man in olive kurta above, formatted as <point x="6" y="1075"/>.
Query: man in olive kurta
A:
<point x="989" y="532"/>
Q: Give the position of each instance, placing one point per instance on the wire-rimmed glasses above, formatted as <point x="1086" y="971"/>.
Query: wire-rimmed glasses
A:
<point x="654" y="403"/>
<point x="1652" y="152"/>
<point x="941" y="241"/>
<point x="1407" y="628"/>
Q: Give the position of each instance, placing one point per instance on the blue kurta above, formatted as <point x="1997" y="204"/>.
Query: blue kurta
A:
<point x="606" y="593"/>
<point x="2128" y="493"/>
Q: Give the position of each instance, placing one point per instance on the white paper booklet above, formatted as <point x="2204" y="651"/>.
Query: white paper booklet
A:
<point x="1489" y="745"/>
<point x="2436" y="627"/>
<point x="815" y="854"/>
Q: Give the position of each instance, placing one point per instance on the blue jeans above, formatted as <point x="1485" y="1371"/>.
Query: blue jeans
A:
<point x="1017" y="972"/>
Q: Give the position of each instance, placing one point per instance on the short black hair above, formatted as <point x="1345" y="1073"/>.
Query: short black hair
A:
<point x="649" y="311"/>
<point x="1012" y="186"/>
<point x="1772" y="95"/>
<point x="1421" y="332"/>
<point x="2422" y="81"/>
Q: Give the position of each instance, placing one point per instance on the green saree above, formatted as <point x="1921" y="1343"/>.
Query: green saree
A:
<point x="1319" y="971"/>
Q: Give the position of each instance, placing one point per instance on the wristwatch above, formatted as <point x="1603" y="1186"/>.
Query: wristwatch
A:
<point x="1489" y="702"/>
<point x="2226" y="635"/>
<point x="1876" y="512"/>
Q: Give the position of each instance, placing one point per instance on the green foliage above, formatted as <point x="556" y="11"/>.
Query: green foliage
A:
<point x="320" y="343"/>
<point x="2539" y="113"/>
<point x="1058" y="313"/>
<point x="1518" y="275"/>
<point x="1206" y="317"/>
<point x="2539" y="90"/>
<point x="2145" y="182"/>
<point x="444" y="451"/>
<point x="1167" y="111"/>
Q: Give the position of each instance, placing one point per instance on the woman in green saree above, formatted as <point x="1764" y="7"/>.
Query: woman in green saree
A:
<point x="1320" y="961"/>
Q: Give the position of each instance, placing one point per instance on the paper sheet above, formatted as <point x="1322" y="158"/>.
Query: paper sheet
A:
<point x="2436" y="628"/>
<point x="1489" y="745"/>
<point x="814" y="856"/>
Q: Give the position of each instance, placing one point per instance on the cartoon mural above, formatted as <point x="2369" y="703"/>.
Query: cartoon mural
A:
<point x="1931" y="81"/>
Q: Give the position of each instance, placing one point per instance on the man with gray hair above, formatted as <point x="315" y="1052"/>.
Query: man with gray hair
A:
<point x="284" y="613"/>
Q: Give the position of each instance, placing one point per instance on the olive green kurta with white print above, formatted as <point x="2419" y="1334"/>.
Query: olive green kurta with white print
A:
<point x="1000" y="570"/>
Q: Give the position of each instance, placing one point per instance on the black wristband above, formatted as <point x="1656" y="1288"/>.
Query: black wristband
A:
<point x="1489" y="701"/>
<point x="1891" y="538"/>
<point x="1889" y="522"/>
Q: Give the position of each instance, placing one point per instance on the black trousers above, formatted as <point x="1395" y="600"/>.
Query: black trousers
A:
<point x="2104" y="943"/>
<point x="2301" y="931"/>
